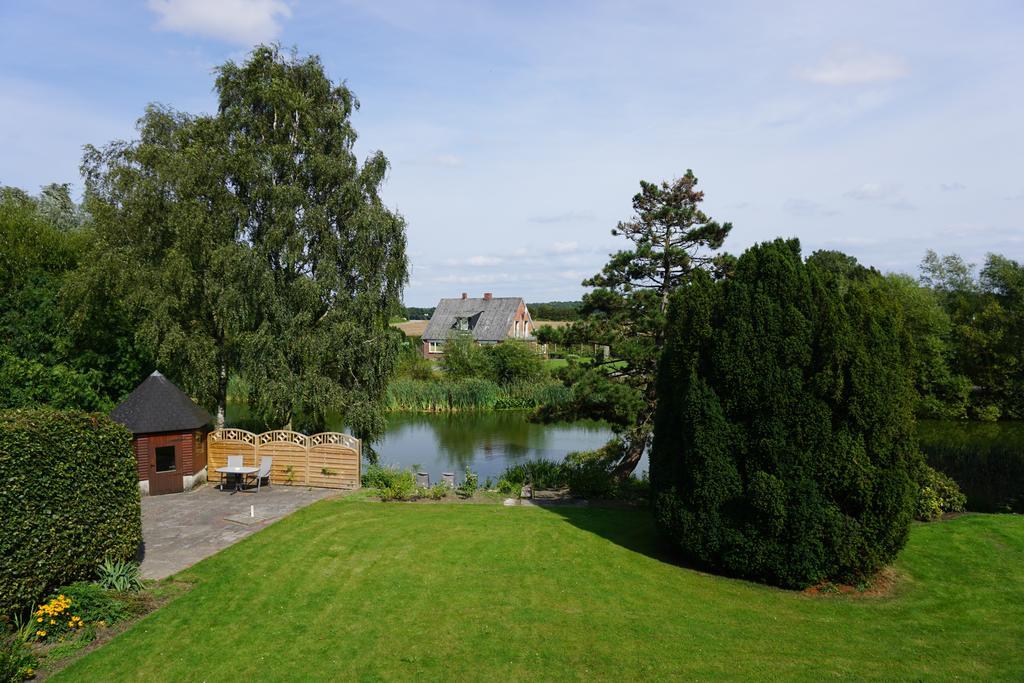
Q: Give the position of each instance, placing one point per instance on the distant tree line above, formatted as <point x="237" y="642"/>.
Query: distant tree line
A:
<point x="419" y="312"/>
<point x="551" y="310"/>
<point x="556" y="310"/>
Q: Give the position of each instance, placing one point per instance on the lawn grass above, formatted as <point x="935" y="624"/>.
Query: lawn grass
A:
<point x="346" y="589"/>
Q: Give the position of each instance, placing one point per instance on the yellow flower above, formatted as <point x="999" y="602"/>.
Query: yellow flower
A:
<point x="41" y="634"/>
<point x="40" y="620"/>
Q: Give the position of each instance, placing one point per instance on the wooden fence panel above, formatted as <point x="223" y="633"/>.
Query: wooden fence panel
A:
<point x="224" y="442"/>
<point x="324" y="460"/>
<point x="288" y="450"/>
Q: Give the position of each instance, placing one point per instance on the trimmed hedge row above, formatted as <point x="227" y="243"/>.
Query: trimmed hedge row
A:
<point x="69" y="498"/>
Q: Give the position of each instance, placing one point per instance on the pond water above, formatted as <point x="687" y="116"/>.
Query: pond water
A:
<point x="486" y="442"/>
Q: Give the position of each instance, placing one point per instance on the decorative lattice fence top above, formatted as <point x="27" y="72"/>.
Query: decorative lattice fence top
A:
<point x="286" y="436"/>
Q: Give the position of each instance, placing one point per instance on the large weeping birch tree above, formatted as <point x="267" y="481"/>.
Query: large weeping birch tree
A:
<point x="253" y="243"/>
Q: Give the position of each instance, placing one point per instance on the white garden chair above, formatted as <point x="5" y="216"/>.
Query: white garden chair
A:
<point x="233" y="461"/>
<point x="265" y="462"/>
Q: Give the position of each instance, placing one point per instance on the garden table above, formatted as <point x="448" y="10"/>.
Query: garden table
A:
<point x="239" y="473"/>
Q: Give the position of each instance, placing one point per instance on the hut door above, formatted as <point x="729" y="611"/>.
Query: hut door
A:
<point x="165" y="465"/>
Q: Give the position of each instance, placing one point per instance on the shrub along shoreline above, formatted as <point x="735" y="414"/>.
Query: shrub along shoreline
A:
<point x="506" y="376"/>
<point x="471" y="393"/>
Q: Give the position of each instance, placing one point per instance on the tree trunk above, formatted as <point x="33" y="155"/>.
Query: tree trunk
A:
<point x="634" y="451"/>
<point x="222" y="395"/>
<point x="639" y="437"/>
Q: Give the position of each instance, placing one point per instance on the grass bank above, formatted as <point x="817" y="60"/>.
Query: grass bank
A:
<point x="346" y="590"/>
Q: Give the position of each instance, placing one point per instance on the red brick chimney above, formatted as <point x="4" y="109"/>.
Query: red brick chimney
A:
<point x="465" y="296"/>
<point x="487" y="296"/>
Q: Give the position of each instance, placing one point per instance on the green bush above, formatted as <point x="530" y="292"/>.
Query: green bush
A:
<point x="93" y="603"/>
<point x="784" y="446"/>
<point x="377" y="476"/>
<point x="540" y="474"/>
<point x="587" y="474"/>
<point x="436" y="492"/>
<point x="507" y="487"/>
<point x="937" y="494"/>
<point x="69" y="498"/>
<point x="120" y="575"/>
<point x="17" y="661"/>
<point x="391" y="483"/>
<point x="513" y="362"/>
<point x="470" y="484"/>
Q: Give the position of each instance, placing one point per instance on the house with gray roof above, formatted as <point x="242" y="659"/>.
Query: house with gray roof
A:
<point x="490" y="319"/>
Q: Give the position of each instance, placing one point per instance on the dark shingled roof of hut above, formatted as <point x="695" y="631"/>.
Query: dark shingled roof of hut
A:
<point x="156" y="406"/>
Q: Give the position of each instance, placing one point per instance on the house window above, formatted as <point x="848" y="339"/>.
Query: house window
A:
<point x="526" y="328"/>
<point x="517" y="329"/>
<point x="434" y="347"/>
<point x="462" y="324"/>
<point x="165" y="459"/>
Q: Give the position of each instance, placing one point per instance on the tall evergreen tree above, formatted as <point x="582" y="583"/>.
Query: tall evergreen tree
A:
<point x="785" y="441"/>
<point x="671" y="239"/>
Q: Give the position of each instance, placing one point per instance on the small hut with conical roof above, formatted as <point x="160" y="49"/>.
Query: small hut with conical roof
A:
<point x="169" y="432"/>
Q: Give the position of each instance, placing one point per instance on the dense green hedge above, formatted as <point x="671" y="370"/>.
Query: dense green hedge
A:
<point x="69" y="497"/>
<point x="784" y="444"/>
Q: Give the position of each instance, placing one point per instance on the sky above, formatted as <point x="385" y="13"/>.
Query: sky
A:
<point x="518" y="132"/>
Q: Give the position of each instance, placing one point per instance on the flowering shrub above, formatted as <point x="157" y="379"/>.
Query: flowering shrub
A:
<point x="54" y="620"/>
<point x="76" y="606"/>
<point x="937" y="494"/>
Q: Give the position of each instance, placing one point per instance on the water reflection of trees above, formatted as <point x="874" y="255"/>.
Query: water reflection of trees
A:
<point x="462" y="438"/>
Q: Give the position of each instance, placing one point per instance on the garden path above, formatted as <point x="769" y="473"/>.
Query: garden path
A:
<point x="180" y="529"/>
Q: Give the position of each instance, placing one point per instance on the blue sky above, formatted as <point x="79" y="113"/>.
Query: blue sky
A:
<point x="517" y="131"/>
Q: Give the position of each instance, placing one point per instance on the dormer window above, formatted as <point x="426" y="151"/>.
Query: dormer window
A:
<point x="462" y="324"/>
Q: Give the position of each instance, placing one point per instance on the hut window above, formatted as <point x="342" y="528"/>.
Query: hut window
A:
<point x="165" y="459"/>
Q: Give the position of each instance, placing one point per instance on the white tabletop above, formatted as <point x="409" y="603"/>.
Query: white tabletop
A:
<point x="238" y="470"/>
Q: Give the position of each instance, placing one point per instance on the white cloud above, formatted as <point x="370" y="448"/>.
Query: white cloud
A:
<point x="479" y="260"/>
<point x="449" y="160"/>
<point x="476" y="279"/>
<point x="564" y="247"/>
<point x="952" y="187"/>
<point x="854" y="67"/>
<point x="566" y="217"/>
<point x="484" y="260"/>
<point x="883" y="193"/>
<point x="873" y="192"/>
<point x="574" y="275"/>
<point x="806" y="207"/>
<point x="241" y="22"/>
